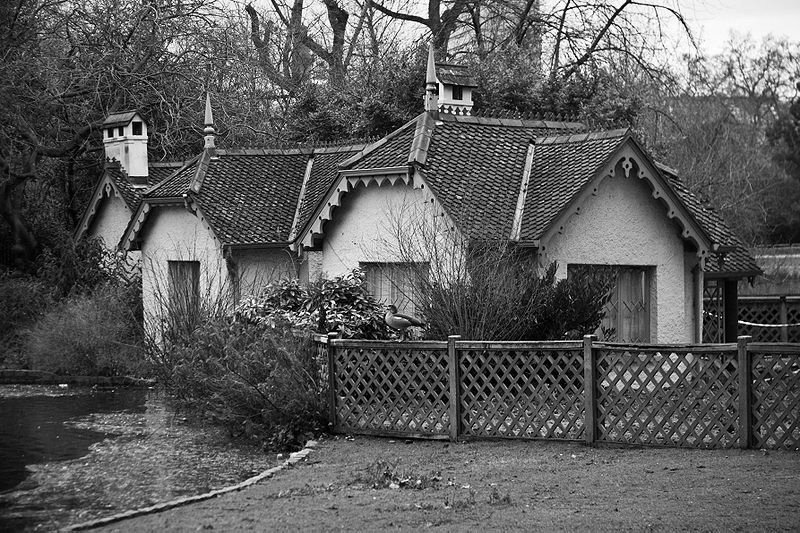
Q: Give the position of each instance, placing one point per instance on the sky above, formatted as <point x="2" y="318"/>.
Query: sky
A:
<point x="712" y="20"/>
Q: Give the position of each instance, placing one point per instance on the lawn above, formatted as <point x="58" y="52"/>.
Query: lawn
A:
<point x="374" y="484"/>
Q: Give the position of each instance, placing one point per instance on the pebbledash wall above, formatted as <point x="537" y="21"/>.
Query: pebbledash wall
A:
<point x="110" y="222"/>
<point x="365" y="226"/>
<point x="257" y="267"/>
<point x="622" y="224"/>
<point x="174" y="234"/>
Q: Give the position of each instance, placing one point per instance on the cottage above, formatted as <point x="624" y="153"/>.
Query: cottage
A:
<point x="229" y="221"/>
<point x="126" y="176"/>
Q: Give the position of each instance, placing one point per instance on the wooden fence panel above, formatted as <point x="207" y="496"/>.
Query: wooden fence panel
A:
<point x="711" y="396"/>
<point x="391" y="388"/>
<point x="667" y="396"/>
<point x="521" y="390"/>
<point x="775" y="373"/>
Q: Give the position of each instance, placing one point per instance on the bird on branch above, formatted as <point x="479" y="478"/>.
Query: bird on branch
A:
<point x="400" y="321"/>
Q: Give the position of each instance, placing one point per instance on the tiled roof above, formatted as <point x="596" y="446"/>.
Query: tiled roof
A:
<point x="734" y="259"/>
<point x="390" y="151"/>
<point x="117" y="119"/>
<point x="251" y="199"/>
<point x="133" y="195"/>
<point x="455" y="75"/>
<point x="324" y="172"/>
<point x="736" y="263"/>
<point x="177" y="185"/>
<point x="475" y="165"/>
<point x="562" y="166"/>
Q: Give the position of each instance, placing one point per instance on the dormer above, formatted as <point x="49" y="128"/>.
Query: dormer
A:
<point x="455" y="88"/>
<point x="125" y="140"/>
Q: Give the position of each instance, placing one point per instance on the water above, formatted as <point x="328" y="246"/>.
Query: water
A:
<point x="96" y="453"/>
<point x="33" y="429"/>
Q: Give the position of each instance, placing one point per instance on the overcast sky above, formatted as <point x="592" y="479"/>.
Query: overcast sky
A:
<point x="712" y="20"/>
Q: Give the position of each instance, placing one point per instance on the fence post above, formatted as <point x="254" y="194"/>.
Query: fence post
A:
<point x="784" y="318"/>
<point x="745" y="393"/>
<point x="589" y="389"/>
<point x="453" y="375"/>
<point x="332" y="380"/>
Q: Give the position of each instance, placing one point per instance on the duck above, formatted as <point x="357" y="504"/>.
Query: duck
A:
<point x="400" y="321"/>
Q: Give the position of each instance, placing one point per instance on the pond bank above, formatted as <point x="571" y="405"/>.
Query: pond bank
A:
<point x="144" y="456"/>
<point x="40" y="377"/>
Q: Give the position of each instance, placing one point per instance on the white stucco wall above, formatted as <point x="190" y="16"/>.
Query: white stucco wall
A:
<point x="109" y="224"/>
<point x="175" y="234"/>
<point x="259" y="267"/>
<point x="624" y="225"/>
<point x="110" y="220"/>
<point x="365" y="227"/>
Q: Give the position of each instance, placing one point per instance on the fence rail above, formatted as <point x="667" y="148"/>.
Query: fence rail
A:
<point x="714" y="396"/>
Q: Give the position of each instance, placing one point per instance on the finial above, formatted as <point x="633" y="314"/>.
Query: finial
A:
<point x="431" y="84"/>
<point x="210" y="134"/>
<point x="430" y="77"/>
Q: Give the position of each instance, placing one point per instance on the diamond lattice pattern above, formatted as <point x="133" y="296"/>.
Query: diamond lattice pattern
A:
<point x="397" y="390"/>
<point x="776" y="400"/>
<point x="527" y="394"/>
<point x="675" y="398"/>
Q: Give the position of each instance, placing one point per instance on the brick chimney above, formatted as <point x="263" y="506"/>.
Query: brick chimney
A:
<point x="125" y="140"/>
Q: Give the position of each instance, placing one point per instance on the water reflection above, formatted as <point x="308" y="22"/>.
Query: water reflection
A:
<point x="33" y="429"/>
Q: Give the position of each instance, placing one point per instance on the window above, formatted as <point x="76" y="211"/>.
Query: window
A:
<point x="395" y="283"/>
<point x="184" y="287"/>
<point x="627" y="313"/>
<point x="458" y="92"/>
<point x="110" y="132"/>
<point x="137" y="127"/>
<point x="121" y="131"/>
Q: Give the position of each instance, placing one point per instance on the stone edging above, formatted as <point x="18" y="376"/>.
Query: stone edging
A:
<point x="293" y="459"/>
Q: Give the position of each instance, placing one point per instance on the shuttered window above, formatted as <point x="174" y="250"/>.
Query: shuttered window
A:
<point x="627" y="313"/>
<point x="184" y="286"/>
<point x="395" y="283"/>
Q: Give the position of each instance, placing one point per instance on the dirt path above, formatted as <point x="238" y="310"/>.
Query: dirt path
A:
<point x="374" y="484"/>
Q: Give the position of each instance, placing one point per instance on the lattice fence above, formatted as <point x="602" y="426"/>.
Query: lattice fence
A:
<point x="711" y="396"/>
<point x="775" y="396"/>
<point x="667" y="397"/>
<point x="772" y="311"/>
<point x="392" y="389"/>
<point x="516" y="391"/>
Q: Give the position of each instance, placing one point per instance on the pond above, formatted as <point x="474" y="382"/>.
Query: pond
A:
<point x="71" y="455"/>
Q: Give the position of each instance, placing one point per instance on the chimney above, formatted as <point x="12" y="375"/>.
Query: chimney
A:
<point x="455" y="89"/>
<point x="125" y="140"/>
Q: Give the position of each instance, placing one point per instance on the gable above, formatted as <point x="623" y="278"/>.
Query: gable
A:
<point x="584" y="178"/>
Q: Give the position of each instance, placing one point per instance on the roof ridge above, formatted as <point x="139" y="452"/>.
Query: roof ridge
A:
<point x="187" y="164"/>
<point x="510" y="120"/>
<point x="581" y="137"/>
<point x="368" y="149"/>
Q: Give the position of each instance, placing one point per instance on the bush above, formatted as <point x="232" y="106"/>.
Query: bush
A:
<point x="501" y="295"/>
<point x="341" y="304"/>
<point x="94" y="334"/>
<point x="260" y="383"/>
<point x="23" y="300"/>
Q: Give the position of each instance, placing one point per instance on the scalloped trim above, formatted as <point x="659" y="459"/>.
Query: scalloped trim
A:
<point x="334" y="199"/>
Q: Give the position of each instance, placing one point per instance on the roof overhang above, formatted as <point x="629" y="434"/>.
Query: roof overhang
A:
<point x="137" y="221"/>
<point x="105" y="187"/>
